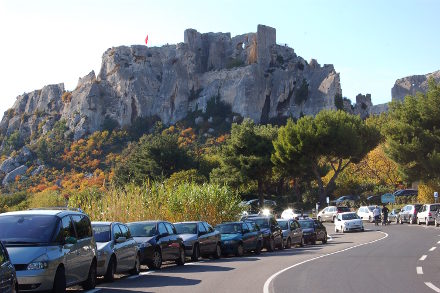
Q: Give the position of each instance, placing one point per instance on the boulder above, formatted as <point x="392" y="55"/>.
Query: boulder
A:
<point x="10" y="177"/>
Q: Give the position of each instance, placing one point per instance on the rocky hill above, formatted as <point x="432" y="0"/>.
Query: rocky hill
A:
<point x="252" y="73"/>
<point x="410" y="85"/>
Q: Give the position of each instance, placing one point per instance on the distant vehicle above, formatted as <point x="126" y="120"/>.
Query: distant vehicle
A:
<point x="292" y="233"/>
<point x="366" y="213"/>
<point x="158" y="241"/>
<point x="50" y="249"/>
<point x="406" y="192"/>
<point x="346" y="198"/>
<point x="313" y="230"/>
<point x="393" y="215"/>
<point x="330" y="213"/>
<point x="426" y="214"/>
<point x="437" y="218"/>
<point x="254" y="205"/>
<point x="374" y="199"/>
<point x="239" y="237"/>
<point x="8" y="277"/>
<point x="200" y="239"/>
<point x="288" y="214"/>
<point x="348" y="222"/>
<point x="408" y="214"/>
<point x="118" y="252"/>
<point x="271" y="231"/>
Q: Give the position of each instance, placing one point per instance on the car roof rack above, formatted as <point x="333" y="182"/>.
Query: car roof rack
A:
<point x="58" y="208"/>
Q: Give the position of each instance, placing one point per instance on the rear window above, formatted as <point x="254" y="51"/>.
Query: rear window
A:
<point x="261" y="222"/>
<point x="306" y="224"/>
<point x="434" y="208"/>
<point x="186" y="228"/>
<point x="142" y="229"/>
<point x="343" y="209"/>
<point x="233" y="228"/>
<point x="102" y="233"/>
<point x="23" y="229"/>
<point x="283" y="225"/>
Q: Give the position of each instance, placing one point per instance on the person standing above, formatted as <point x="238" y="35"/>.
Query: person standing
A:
<point x="385" y="212"/>
<point x="376" y="214"/>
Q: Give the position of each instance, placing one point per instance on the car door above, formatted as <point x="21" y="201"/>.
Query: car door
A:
<point x="203" y="238"/>
<point x="212" y="238"/>
<point x="118" y="247"/>
<point x="405" y="213"/>
<point x="163" y="242"/>
<point x="71" y="250"/>
<point x="247" y="237"/>
<point x="174" y="243"/>
<point x="85" y="239"/>
<point x="297" y="232"/>
<point x="130" y="247"/>
<point x="7" y="278"/>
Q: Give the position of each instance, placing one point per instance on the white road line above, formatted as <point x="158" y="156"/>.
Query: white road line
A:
<point x="423" y="257"/>
<point x="93" y="291"/>
<point x="132" y="277"/>
<point x="419" y="271"/>
<point x="271" y="278"/>
<point x="432" y="286"/>
<point x="438" y="242"/>
<point x="432" y="248"/>
<point x="146" y="273"/>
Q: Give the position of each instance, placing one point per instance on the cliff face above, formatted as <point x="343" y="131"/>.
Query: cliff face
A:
<point x="410" y="85"/>
<point x="257" y="77"/>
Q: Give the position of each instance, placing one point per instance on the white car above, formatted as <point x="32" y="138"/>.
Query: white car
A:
<point x="366" y="213"/>
<point x="426" y="213"/>
<point x="348" y="222"/>
<point x="290" y="214"/>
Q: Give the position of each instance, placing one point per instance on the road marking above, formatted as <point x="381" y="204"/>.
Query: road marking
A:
<point x="423" y="257"/>
<point x="432" y="248"/>
<point x="438" y="242"/>
<point x="419" y="271"/>
<point x="93" y="291"/>
<point x="146" y="273"/>
<point x="271" y="278"/>
<point x="432" y="286"/>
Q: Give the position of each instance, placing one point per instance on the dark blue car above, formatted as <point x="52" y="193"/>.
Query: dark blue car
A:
<point x="313" y="231"/>
<point x="240" y="237"/>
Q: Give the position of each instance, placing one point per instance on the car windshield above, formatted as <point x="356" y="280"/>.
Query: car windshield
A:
<point x="27" y="228"/>
<point x="102" y="233"/>
<point x="142" y="229"/>
<point x="233" y="228"/>
<point x="351" y="216"/>
<point x="283" y="225"/>
<point x="186" y="228"/>
<point x="261" y="222"/>
<point x="306" y="224"/>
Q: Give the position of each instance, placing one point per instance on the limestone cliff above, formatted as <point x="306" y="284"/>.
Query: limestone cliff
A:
<point x="257" y="77"/>
<point x="410" y="85"/>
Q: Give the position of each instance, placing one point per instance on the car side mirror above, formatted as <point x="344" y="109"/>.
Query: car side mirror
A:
<point x="121" y="239"/>
<point x="70" y="240"/>
<point x="202" y="233"/>
<point x="163" y="234"/>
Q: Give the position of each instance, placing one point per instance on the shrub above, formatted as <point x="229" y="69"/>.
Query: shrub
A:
<point x="48" y="198"/>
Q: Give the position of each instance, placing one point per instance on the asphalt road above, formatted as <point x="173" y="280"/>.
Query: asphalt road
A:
<point x="383" y="259"/>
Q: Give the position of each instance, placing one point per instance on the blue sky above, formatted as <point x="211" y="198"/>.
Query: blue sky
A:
<point x="371" y="43"/>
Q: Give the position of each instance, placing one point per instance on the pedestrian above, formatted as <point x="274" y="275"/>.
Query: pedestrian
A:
<point x="376" y="214"/>
<point x="385" y="212"/>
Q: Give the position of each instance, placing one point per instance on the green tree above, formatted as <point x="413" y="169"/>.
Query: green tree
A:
<point x="413" y="134"/>
<point x="330" y="141"/>
<point x="155" y="156"/>
<point x="246" y="156"/>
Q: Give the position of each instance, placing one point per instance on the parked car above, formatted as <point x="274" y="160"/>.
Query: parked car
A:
<point x="330" y="213"/>
<point x="406" y="192"/>
<point x="426" y="213"/>
<point x="158" y="242"/>
<point x="50" y="249"/>
<point x="348" y="222"/>
<point x="239" y="237"/>
<point x="8" y="277"/>
<point x="292" y="233"/>
<point x="313" y="230"/>
<point x="437" y="218"/>
<point x="346" y="198"/>
<point x="288" y="214"/>
<point x="118" y="252"/>
<point x="366" y="213"/>
<point x="271" y="231"/>
<point x="199" y="239"/>
<point x="393" y="215"/>
<point x="253" y="205"/>
<point x="408" y="214"/>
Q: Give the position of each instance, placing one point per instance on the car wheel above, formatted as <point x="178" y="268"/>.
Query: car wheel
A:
<point x="218" y="251"/>
<point x="426" y="222"/>
<point x="181" y="260"/>
<point x="302" y="242"/>
<point x="239" y="251"/>
<point x="418" y="221"/>
<point x="313" y="242"/>
<point x="137" y="265"/>
<point x="258" y="249"/>
<point x="196" y="253"/>
<point x="111" y="270"/>
<point x="435" y="223"/>
<point x="411" y="220"/>
<point x="319" y="219"/>
<point x="370" y="219"/>
<point x="59" y="283"/>
<point x="156" y="261"/>
<point x="289" y="243"/>
<point x="271" y="246"/>
<point x="90" y="283"/>
<point x="400" y="221"/>
<point x="281" y="245"/>
<point x="324" y="241"/>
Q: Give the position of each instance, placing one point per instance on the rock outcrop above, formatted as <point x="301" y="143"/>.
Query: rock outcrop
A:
<point x="410" y="85"/>
<point x="250" y="72"/>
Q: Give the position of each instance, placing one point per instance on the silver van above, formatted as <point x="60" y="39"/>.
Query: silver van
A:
<point x="50" y="249"/>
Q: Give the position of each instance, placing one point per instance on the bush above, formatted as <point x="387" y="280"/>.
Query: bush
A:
<point x="15" y="201"/>
<point x="49" y="198"/>
<point x="426" y="191"/>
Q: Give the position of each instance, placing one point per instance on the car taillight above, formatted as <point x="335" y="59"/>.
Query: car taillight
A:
<point x="415" y="212"/>
<point x="429" y="214"/>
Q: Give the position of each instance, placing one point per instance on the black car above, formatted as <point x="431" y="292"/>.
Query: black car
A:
<point x="8" y="278"/>
<point x="313" y="230"/>
<point x="158" y="241"/>
<point x="270" y="229"/>
<point x="200" y="239"/>
<point x="239" y="237"/>
<point x="406" y="192"/>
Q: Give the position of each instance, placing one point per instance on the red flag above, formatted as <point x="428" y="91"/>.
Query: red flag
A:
<point x="146" y="40"/>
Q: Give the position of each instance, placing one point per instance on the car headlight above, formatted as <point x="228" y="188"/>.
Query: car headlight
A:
<point x="40" y="263"/>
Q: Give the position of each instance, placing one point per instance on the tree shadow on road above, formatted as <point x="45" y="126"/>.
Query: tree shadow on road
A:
<point x="149" y="281"/>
